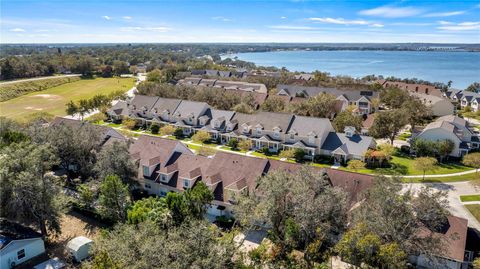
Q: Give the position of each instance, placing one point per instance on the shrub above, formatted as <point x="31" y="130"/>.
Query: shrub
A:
<point x="232" y="143"/>
<point x="154" y="128"/>
<point x="178" y="133"/>
<point x="299" y="155"/>
<point x="167" y="130"/>
<point x="97" y="117"/>
<point x="288" y="154"/>
<point x="129" y="124"/>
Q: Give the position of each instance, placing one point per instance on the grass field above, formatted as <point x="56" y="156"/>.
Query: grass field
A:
<point x="53" y="100"/>
<point x="475" y="210"/>
<point x="470" y="198"/>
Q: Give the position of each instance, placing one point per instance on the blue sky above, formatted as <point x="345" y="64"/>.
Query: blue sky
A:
<point x="239" y="21"/>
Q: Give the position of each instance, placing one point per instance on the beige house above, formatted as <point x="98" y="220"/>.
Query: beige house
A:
<point x="439" y="106"/>
<point x="451" y="128"/>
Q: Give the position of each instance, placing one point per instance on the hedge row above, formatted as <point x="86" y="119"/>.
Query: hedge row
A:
<point x="14" y="90"/>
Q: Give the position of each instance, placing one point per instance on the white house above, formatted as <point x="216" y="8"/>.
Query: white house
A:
<point x="438" y="105"/>
<point x="18" y="244"/>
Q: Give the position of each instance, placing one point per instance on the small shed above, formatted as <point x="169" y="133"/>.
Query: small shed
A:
<point x="79" y="247"/>
<point x="54" y="263"/>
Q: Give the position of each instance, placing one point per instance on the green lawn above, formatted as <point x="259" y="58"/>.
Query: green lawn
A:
<point x="53" y="100"/>
<point x="466" y="177"/>
<point x="475" y="210"/>
<point x="194" y="147"/>
<point x="470" y="198"/>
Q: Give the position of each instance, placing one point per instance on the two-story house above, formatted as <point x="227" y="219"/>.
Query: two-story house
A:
<point x="219" y="122"/>
<point x="163" y="109"/>
<point x="451" y="128"/>
<point x="439" y="106"/>
<point x="308" y="134"/>
<point x="363" y="100"/>
<point x="189" y="115"/>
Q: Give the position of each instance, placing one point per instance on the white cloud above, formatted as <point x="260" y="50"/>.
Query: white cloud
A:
<point x="283" y="17"/>
<point x="291" y="27"/>
<point x="391" y="12"/>
<point x="444" y="14"/>
<point x="127" y="17"/>
<point x="17" y="30"/>
<point x="160" y="29"/>
<point x="221" y="18"/>
<point x="342" y="21"/>
<point x="107" y="17"/>
<point x="339" y="21"/>
<point x="463" y="26"/>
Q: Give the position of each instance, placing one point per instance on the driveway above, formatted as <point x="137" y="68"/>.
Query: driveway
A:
<point x="454" y="191"/>
<point x="39" y="78"/>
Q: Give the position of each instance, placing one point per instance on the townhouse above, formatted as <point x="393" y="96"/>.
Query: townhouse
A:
<point x="364" y="101"/>
<point x="412" y="87"/>
<point x="451" y="128"/>
<point x="224" y="84"/>
<point x="439" y="106"/>
<point x="464" y="98"/>
<point x="273" y="131"/>
<point x="167" y="165"/>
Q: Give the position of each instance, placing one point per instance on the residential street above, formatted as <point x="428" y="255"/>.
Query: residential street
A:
<point x="454" y="189"/>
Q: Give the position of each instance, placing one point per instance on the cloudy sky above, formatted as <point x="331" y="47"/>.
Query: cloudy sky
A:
<point x="132" y="21"/>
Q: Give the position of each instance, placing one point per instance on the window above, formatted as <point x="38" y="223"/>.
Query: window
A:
<point x="163" y="177"/>
<point x="292" y="136"/>
<point x="259" y="131"/>
<point x="21" y="254"/>
<point x="276" y="135"/>
<point x="163" y="193"/>
<point x="148" y="186"/>
<point x="146" y="170"/>
<point x="311" y="139"/>
<point x="186" y="183"/>
<point x="245" y="129"/>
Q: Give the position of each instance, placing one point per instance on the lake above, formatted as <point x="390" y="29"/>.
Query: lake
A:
<point x="462" y="68"/>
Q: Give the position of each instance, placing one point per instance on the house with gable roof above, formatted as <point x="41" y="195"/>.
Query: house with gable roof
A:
<point x="451" y="128"/>
<point x="348" y="145"/>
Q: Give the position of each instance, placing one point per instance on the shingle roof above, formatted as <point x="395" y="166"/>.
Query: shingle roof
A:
<point x="163" y="104"/>
<point x="150" y="148"/>
<point x="186" y="108"/>
<point x="356" y="145"/>
<point x="140" y="101"/>
<point x="351" y="95"/>
<point x="304" y="125"/>
<point x="268" y="120"/>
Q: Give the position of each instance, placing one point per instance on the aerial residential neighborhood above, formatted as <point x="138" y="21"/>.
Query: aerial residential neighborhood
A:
<point x="239" y="135"/>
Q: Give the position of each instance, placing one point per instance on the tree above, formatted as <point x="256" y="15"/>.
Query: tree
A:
<point x="156" y="76"/>
<point x="178" y="133"/>
<point x="299" y="155"/>
<point x="154" y="128"/>
<point x="425" y="164"/>
<point x="167" y="130"/>
<point x="359" y="245"/>
<point x="72" y="108"/>
<point x="474" y="87"/>
<point x="201" y="137"/>
<point x="120" y="67"/>
<point x="114" y="199"/>
<point x="444" y="148"/>
<point x="273" y="104"/>
<point x="400" y="217"/>
<point x="423" y="147"/>
<point x="29" y="194"/>
<point x="416" y="111"/>
<point x="87" y="196"/>
<point x="355" y="165"/>
<point x="114" y="159"/>
<point x="154" y="209"/>
<point x="394" y="98"/>
<point x="302" y="210"/>
<point x="243" y="108"/>
<point x="194" y="244"/>
<point x="387" y="149"/>
<point x="97" y="117"/>
<point x="245" y="145"/>
<point x="321" y="106"/>
<point x="347" y="118"/>
<point x="388" y="124"/>
<point x="473" y="160"/>
<point x="190" y="204"/>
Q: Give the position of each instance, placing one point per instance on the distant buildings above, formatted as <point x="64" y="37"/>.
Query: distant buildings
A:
<point x="224" y="84"/>
<point x="416" y="88"/>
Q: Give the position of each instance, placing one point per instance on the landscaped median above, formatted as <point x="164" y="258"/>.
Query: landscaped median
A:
<point x="475" y="210"/>
<point x="470" y="198"/>
<point x="401" y="165"/>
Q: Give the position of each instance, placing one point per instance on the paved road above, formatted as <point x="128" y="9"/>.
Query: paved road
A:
<point x="39" y="78"/>
<point x="454" y="191"/>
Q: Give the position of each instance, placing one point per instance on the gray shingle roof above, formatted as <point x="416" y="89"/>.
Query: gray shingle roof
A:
<point x="163" y="104"/>
<point x="304" y="125"/>
<point x="268" y="120"/>
<point x="356" y="145"/>
<point x="186" y="108"/>
<point x="140" y="101"/>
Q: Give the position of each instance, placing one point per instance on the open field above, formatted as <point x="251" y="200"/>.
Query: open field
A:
<point x="470" y="198"/>
<point x="53" y="100"/>
<point x="475" y="210"/>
